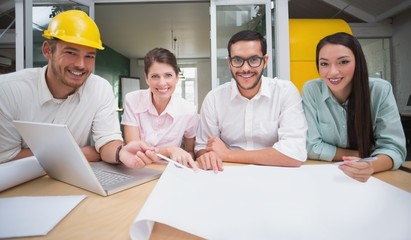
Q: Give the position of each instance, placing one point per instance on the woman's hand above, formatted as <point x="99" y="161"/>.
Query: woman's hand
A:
<point x="359" y="170"/>
<point x="179" y="155"/>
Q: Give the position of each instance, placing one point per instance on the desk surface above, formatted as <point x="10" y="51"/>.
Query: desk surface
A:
<point x="406" y="166"/>
<point x="110" y="217"/>
<point x="405" y="113"/>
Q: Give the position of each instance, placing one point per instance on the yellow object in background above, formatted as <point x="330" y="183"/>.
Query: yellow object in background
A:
<point x="304" y="36"/>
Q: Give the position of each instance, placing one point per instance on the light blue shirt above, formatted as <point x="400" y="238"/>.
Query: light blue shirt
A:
<point x="327" y="125"/>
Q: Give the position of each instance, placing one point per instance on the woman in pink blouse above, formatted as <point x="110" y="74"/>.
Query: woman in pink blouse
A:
<point x="158" y="117"/>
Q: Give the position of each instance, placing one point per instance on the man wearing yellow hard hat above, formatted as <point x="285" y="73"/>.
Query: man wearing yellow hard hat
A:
<point x="65" y="91"/>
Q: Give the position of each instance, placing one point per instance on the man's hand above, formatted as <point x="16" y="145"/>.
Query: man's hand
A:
<point x="215" y="144"/>
<point x="210" y="160"/>
<point x="133" y="155"/>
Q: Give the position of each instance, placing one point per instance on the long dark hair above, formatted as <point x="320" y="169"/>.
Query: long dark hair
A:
<point x="359" y="123"/>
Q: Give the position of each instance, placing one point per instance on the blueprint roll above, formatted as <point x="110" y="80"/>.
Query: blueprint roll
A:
<point x="19" y="171"/>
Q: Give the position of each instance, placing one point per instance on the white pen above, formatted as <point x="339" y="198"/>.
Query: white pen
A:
<point x="173" y="161"/>
<point x="368" y="159"/>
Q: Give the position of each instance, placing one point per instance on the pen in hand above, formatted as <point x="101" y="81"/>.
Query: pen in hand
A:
<point x="173" y="161"/>
<point x="368" y="159"/>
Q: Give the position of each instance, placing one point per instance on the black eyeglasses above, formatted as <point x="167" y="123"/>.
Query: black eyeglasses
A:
<point x="254" y="61"/>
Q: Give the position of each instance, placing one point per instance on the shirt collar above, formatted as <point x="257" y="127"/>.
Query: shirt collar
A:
<point x="146" y="105"/>
<point x="172" y="108"/>
<point x="327" y="94"/>
<point x="44" y="91"/>
<point x="325" y="91"/>
<point x="263" y="91"/>
<point x="234" y="89"/>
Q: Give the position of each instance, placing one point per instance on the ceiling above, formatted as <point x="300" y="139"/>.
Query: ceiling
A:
<point x="134" y="28"/>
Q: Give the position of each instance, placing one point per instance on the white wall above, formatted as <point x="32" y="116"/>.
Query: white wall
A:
<point x="137" y="70"/>
<point x="401" y="66"/>
<point x="399" y="30"/>
<point x="204" y="80"/>
<point x="378" y="54"/>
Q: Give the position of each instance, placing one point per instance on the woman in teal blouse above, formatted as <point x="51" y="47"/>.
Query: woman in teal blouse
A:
<point x="350" y="115"/>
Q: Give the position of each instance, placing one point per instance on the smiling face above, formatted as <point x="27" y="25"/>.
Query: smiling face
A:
<point x="336" y="66"/>
<point x="161" y="79"/>
<point x="69" y="66"/>
<point x="247" y="77"/>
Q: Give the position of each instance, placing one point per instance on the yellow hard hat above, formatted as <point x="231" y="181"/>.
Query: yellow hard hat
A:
<point x="74" y="26"/>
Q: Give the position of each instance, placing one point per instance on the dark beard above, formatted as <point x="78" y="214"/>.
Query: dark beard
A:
<point x="254" y="84"/>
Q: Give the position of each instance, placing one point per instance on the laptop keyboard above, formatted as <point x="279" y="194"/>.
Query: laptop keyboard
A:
<point x="109" y="178"/>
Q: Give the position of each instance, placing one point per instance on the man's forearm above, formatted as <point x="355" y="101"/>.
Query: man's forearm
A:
<point x="108" y="152"/>
<point x="25" y="152"/>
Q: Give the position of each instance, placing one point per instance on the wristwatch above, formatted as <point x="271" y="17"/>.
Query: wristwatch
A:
<point x="118" y="153"/>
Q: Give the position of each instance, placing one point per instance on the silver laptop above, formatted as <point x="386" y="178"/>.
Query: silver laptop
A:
<point x="62" y="159"/>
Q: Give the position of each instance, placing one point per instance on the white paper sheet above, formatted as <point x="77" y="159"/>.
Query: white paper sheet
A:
<point x="19" y="171"/>
<point x="255" y="202"/>
<point x="33" y="216"/>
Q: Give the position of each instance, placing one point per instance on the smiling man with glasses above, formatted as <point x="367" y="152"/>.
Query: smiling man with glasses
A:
<point x="252" y="119"/>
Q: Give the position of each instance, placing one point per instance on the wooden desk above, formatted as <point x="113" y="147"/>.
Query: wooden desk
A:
<point x="110" y="217"/>
<point x="406" y="166"/>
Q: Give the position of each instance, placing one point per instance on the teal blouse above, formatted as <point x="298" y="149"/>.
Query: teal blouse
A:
<point x="327" y="126"/>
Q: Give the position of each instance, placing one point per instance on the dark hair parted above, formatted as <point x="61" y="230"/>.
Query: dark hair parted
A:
<point x="359" y="123"/>
<point x="248" y="35"/>
<point x="160" y="55"/>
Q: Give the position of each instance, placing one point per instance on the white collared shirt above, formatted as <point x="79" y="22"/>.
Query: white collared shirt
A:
<point x="89" y="113"/>
<point x="273" y="118"/>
